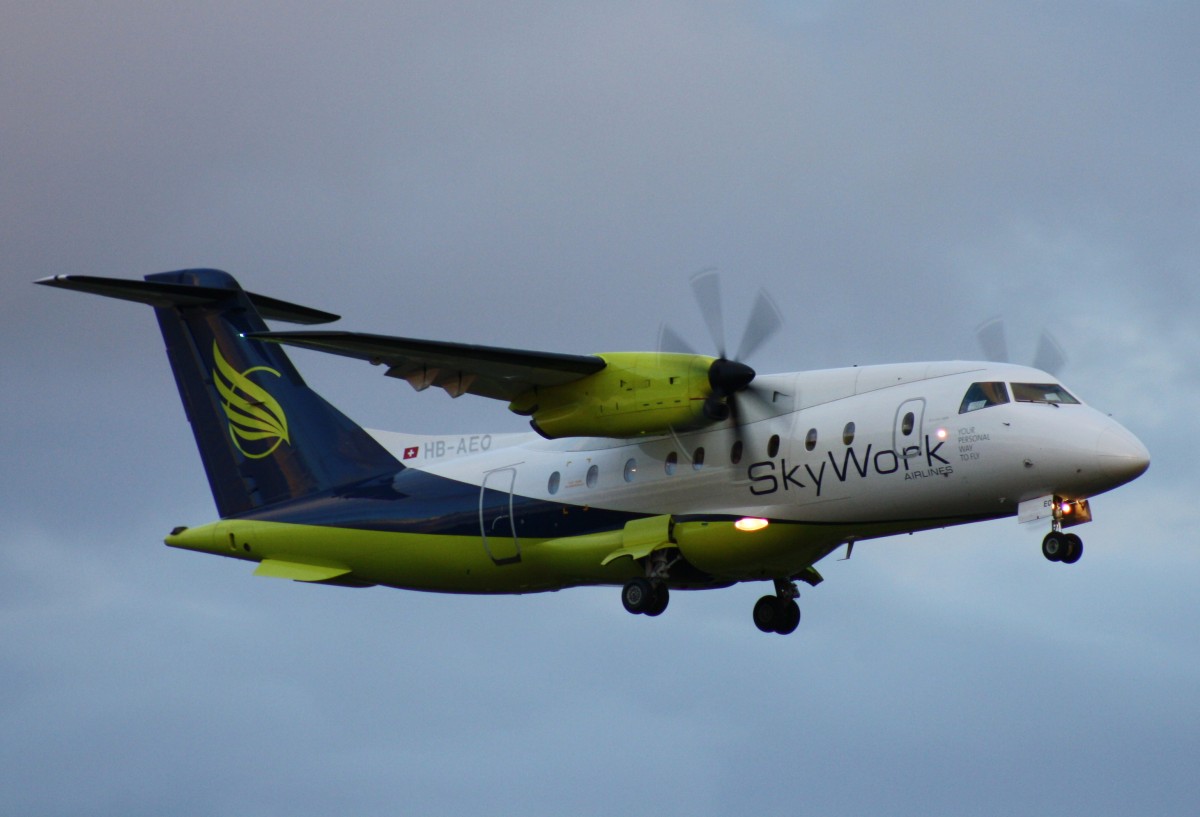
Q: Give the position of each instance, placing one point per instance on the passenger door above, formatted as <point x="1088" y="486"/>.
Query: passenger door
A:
<point x="497" y="525"/>
<point x="907" y="439"/>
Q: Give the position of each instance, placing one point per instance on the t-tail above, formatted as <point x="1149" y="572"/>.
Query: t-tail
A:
<point x="264" y="436"/>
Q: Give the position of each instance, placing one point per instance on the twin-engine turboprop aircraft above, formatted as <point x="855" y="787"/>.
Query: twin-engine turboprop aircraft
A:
<point x="649" y="471"/>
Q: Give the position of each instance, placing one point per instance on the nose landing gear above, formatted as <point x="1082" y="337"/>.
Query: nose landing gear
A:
<point x="1065" y="547"/>
<point x="1062" y="547"/>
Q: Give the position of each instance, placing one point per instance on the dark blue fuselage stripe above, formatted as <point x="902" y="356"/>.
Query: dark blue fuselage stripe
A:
<point x="414" y="501"/>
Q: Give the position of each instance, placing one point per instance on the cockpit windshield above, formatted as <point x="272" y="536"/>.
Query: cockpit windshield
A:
<point x="1041" y="393"/>
<point x="982" y="395"/>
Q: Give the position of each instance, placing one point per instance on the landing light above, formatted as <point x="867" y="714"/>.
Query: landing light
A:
<point x="1066" y="507"/>
<point x="750" y="523"/>
<point x="941" y="433"/>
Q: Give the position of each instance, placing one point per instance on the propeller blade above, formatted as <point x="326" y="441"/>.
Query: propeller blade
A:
<point x="670" y="341"/>
<point x="1050" y="355"/>
<point x="991" y="340"/>
<point x="749" y="400"/>
<point x="706" y="285"/>
<point x="716" y="409"/>
<point x="735" y="425"/>
<point x="727" y="378"/>
<point x="765" y="321"/>
<point x="757" y="395"/>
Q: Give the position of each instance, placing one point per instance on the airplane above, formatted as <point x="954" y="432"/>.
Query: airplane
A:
<point x="652" y="472"/>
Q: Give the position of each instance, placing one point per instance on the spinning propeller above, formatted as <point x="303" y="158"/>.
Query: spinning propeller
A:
<point x="728" y="377"/>
<point x="1050" y="356"/>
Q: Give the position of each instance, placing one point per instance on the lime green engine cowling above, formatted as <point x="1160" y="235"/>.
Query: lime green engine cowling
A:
<point x="636" y="393"/>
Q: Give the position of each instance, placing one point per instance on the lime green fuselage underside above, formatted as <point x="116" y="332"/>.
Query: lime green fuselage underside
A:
<point x="464" y="564"/>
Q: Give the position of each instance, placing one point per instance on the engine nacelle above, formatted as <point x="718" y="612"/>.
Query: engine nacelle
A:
<point x="635" y="394"/>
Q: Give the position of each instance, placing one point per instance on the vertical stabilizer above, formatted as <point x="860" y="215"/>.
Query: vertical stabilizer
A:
<point x="263" y="435"/>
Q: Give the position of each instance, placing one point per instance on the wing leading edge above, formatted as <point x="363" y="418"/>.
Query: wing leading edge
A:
<point x="459" y="368"/>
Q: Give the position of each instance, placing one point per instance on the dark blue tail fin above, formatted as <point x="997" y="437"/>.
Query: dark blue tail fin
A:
<point x="264" y="436"/>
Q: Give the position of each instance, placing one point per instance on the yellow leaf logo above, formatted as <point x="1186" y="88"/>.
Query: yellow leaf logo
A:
<point x="257" y="424"/>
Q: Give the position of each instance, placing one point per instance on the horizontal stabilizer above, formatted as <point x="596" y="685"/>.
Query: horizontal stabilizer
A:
<point x="161" y="294"/>
<point x="487" y="371"/>
<point x="299" y="571"/>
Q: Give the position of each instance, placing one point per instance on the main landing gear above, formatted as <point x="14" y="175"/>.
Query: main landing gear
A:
<point x="778" y="613"/>
<point x="647" y="597"/>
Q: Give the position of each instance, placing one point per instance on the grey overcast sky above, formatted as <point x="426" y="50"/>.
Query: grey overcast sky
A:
<point x="547" y="175"/>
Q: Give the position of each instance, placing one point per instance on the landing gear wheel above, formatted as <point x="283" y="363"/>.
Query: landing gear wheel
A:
<point x="767" y="613"/>
<point x="638" y="596"/>
<point x="659" y="602"/>
<point x="789" y="617"/>
<point x="1054" y="546"/>
<point x="1074" y="549"/>
<point x="775" y="615"/>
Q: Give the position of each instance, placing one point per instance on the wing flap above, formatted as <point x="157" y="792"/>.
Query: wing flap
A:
<point x="459" y="368"/>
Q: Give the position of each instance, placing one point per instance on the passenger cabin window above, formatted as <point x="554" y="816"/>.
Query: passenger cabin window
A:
<point x="1041" y="393"/>
<point x="630" y="469"/>
<point x="982" y="395"/>
<point x="671" y="462"/>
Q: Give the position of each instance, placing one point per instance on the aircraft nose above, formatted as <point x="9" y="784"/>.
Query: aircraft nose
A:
<point x="1121" y="455"/>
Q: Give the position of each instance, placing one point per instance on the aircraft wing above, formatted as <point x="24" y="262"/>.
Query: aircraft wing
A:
<point x="459" y="368"/>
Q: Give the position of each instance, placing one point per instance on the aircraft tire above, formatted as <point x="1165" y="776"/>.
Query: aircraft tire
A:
<point x="789" y="617"/>
<point x="1074" y="549"/>
<point x="1054" y="546"/>
<point x="638" y="596"/>
<point x="659" y="601"/>
<point x="767" y="613"/>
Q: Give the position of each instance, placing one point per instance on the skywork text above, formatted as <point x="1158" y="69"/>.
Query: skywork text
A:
<point x="769" y="476"/>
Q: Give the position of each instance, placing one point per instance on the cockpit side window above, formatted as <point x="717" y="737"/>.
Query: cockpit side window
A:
<point x="982" y="395"/>
<point x="1041" y="393"/>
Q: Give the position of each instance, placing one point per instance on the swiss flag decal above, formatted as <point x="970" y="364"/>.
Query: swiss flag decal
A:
<point x="411" y="452"/>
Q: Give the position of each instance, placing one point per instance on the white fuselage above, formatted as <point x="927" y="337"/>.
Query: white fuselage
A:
<point x="891" y="447"/>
